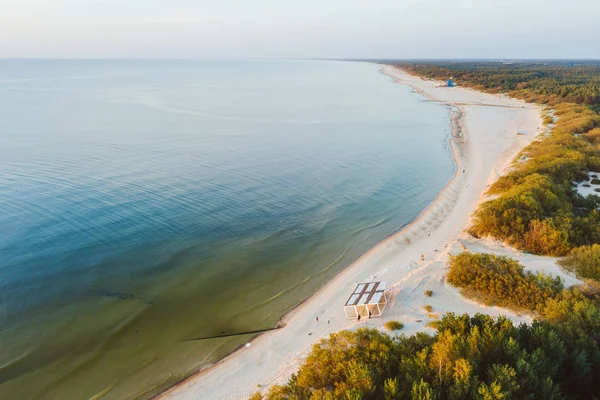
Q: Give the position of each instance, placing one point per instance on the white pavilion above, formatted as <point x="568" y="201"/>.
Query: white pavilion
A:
<point x="369" y="299"/>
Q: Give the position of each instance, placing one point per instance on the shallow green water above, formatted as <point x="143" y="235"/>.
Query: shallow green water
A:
<point x="148" y="202"/>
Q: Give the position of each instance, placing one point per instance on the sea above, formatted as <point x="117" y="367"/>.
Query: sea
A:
<point x="152" y="211"/>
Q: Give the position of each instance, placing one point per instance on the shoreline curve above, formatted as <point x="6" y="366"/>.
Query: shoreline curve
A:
<point x="278" y="353"/>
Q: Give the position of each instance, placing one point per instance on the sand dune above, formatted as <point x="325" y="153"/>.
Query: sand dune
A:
<point x="484" y="142"/>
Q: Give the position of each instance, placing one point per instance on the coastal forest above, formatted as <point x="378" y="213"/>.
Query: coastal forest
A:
<point x="549" y="83"/>
<point x="478" y="357"/>
<point x="535" y="208"/>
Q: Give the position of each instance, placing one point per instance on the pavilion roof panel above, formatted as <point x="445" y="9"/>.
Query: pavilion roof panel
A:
<point x="367" y="293"/>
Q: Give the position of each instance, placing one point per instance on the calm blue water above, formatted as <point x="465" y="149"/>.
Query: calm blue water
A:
<point x="146" y="202"/>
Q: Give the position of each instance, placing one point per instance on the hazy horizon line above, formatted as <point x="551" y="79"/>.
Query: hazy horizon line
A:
<point x="463" y="59"/>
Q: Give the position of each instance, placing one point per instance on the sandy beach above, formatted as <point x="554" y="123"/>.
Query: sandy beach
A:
<point x="484" y="142"/>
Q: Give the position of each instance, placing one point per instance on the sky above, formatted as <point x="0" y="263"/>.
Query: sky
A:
<point x="217" y="29"/>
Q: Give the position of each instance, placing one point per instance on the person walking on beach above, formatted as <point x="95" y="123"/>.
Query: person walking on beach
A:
<point x="317" y="319"/>
<point x="422" y="257"/>
<point x="428" y="233"/>
<point x="358" y="319"/>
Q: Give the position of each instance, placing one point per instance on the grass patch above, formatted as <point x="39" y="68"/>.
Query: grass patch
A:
<point x="428" y="308"/>
<point x="393" y="325"/>
<point x="429" y="293"/>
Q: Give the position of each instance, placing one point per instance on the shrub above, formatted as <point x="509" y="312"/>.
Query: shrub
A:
<point x="435" y="324"/>
<point x="428" y="308"/>
<point x="545" y="237"/>
<point x="498" y="280"/>
<point x="520" y="216"/>
<point x="584" y="262"/>
<point x="595" y="181"/>
<point x="593" y="136"/>
<point x="429" y="293"/>
<point x="393" y="325"/>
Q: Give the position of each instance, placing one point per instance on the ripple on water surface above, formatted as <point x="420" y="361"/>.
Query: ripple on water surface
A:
<point x="144" y="203"/>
